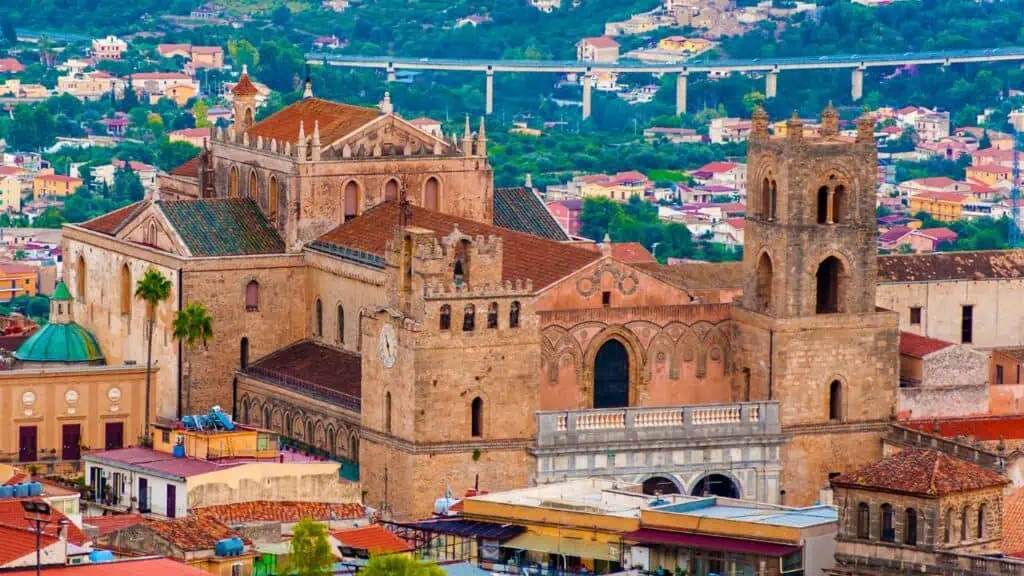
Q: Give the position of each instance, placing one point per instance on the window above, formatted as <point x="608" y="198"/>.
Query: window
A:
<point x="319" y="319"/>
<point x="469" y="318"/>
<point x="252" y="191"/>
<point x="764" y="283"/>
<point x="243" y="355"/>
<point x="236" y="569"/>
<point x="915" y="315"/>
<point x="391" y="190"/>
<point x="341" y="324"/>
<point x="310" y="433"/>
<point x="267" y="417"/>
<point x="233" y="183"/>
<point x="387" y="412"/>
<point x="963" y="524"/>
<point x="513" y="315"/>
<point x="999" y="374"/>
<point x="888" y="531"/>
<point x="460" y="273"/>
<point x="606" y="299"/>
<point x="351" y="201"/>
<point x="835" y="401"/>
<point x="80" y="279"/>
<point x="829" y="286"/>
<point x="165" y="436"/>
<point x="838" y="197"/>
<point x="477" y="417"/>
<point x="823" y="196"/>
<point x="967" y="324"/>
<point x="981" y="521"/>
<point x="949" y="526"/>
<point x="126" y="290"/>
<point x="446" y="317"/>
<point x="432" y="194"/>
<point x="863" y="521"/>
<point x="910" y="527"/>
<point x="272" y="199"/>
<point x="492" y="315"/>
<point x="252" y="296"/>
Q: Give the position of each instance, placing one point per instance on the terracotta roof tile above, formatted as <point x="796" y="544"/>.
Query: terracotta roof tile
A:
<point x="955" y="197"/>
<point x="520" y="209"/>
<point x="983" y="265"/>
<point x="222" y="226"/>
<point x="526" y="257"/>
<point x="245" y="87"/>
<point x="940" y="234"/>
<point x="628" y="252"/>
<point x="895" y="233"/>
<point x="375" y="539"/>
<point x="335" y="120"/>
<point x="107" y="524"/>
<point x="193" y="532"/>
<point x="267" y="511"/>
<point x="18" y="478"/>
<point x="922" y="472"/>
<point x="111" y="221"/>
<point x="332" y="368"/>
<point x="19" y="542"/>
<point x="1013" y="523"/>
<point x="700" y="275"/>
<point x="920" y="346"/>
<point x="601" y="42"/>
<point x="189" y="169"/>
<point x="13" y="515"/>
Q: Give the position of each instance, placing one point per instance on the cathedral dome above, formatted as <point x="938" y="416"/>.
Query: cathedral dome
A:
<point x="60" y="341"/>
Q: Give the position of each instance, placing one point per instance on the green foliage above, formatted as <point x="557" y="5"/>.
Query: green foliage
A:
<point x="663" y="175"/>
<point x="153" y="288"/>
<point x="933" y="166"/>
<point x="399" y="565"/>
<point x="193" y="325"/>
<point x="281" y="16"/>
<point x="310" y="550"/>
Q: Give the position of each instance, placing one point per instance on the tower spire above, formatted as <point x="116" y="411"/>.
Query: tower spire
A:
<point x="308" y="91"/>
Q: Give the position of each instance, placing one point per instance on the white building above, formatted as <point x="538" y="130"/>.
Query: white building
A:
<point x="724" y="130"/>
<point x="109" y="48"/>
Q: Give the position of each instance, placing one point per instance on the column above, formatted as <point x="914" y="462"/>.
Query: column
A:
<point x="391" y="72"/>
<point x="587" y="81"/>
<point x="857" y="84"/>
<point x="490" y="91"/>
<point x="681" y="92"/>
<point x="771" y="81"/>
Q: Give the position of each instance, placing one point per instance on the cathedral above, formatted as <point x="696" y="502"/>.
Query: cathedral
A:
<point x="375" y="297"/>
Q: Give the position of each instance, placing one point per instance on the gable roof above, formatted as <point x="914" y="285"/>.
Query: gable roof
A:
<point x="522" y="210"/>
<point x="124" y="567"/>
<point x="954" y="197"/>
<point x="374" y="539"/>
<point x="13" y="515"/>
<point x="601" y="42"/>
<point x="335" y="121"/>
<point x="193" y="532"/>
<point x="222" y="226"/>
<point x="923" y="473"/>
<point x="108" y="524"/>
<point x="110" y="222"/>
<point x="629" y="252"/>
<point x="938" y="234"/>
<point x="189" y="169"/>
<point x="19" y="542"/>
<point x="917" y="346"/>
<point x="895" y="233"/>
<point x="982" y="265"/>
<point x="525" y="257"/>
<point x="269" y="511"/>
<point x="700" y="275"/>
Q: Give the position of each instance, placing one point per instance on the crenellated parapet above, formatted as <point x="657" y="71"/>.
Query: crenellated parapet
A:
<point x="439" y="290"/>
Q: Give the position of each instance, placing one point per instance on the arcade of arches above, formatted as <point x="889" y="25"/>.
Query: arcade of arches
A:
<point x="301" y="421"/>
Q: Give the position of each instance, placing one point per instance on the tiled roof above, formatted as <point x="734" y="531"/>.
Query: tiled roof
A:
<point x="525" y="257"/>
<point x="920" y="346"/>
<point x="601" y="42"/>
<point x="193" y="532"/>
<point x="895" y="233"/>
<point x="335" y="121"/>
<point x="193" y="133"/>
<point x="717" y="167"/>
<point x="58" y="178"/>
<point x="700" y="275"/>
<point x="189" y="169"/>
<point x="922" y="472"/>
<point x="125" y="567"/>
<point x="19" y="542"/>
<point x="9" y="269"/>
<point x="571" y="204"/>
<point x="939" y="234"/>
<point x="1013" y="523"/>
<point x="954" y="197"/>
<point x="18" y="478"/>
<point x="222" y="226"/>
<point x="423" y="121"/>
<point x="111" y="221"/>
<point x="985" y="428"/>
<point x="267" y="511"/>
<point x="160" y="76"/>
<point x="521" y="210"/>
<point x="245" y="87"/>
<point x="10" y="171"/>
<point x="629" y="252"/>
<point x="107" y="524"/>
<point x="13" y="515"/>
<point x="374" y="538"/>
<point x="992" y="169"/>
<point x="307" y="360"/>
<point x="933" y="182"/>
<point x="983" y="265"/>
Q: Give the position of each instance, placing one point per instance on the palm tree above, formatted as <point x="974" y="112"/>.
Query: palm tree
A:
<point x="153" y="288"/>
<point x="193" y="325"/>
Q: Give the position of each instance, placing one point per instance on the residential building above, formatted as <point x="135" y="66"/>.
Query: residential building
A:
<point x="158" y="83"/>
<point x="546" y="6"/>
<point x="729" y="231"/>
<point x="327" y="43"/>
<point x="922" y="508"/>
<point x="17" y="280"/>
<point x="60" y="541"/>
<point x="15" y="88"/>
<point x="200" y="542"/>
<point x="90" y="85"/>
<point x="932" y="126"/>
<point x="684" y="45"/>
<point x="999" y="140"/>
<point x="473" y="20"/>
<point x="942" y="206"/>
<point x="990" y="174"/>
<point x="567" y="214"/>
<point x="673" y="135"/>
<point x="992" y="157"/>
<point x="174" y="50"/>
<point x="620" y="187"/>
<point x="106" y="174"/>
<point x="109" y="48"/>
<point x="949" y="147"/>
<point x="894" y="238"/>
<point x="732" y="174"/>
<point x="207" y="57"/>
<point x="932" y="371"/>
<point x="12" y="183"/>
<point x="55" y="185"/>
<point x="428" y="125"/>
<point x="207" y="11"/>
<point x="181" y="94"/>
<point x="932" y="239"/>
<point x="728" y="130"/>
<point x="597" y="49"/>
<point x="10" y="66"/>
<point x="369" y="541"/>
<point x="194" y="136"/>
<point x="910" y="188"/>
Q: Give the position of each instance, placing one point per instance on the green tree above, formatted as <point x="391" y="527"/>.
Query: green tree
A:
<point x="985" y="143"/>
<point x="7" y="29"/>
<point x="127" y="185"/>
<point x="310" y="550"/>
<point x="398" y="565"/>
<point x="193" y="326"/>
<point x="153" y="289"/>
<point x="199" y="111"/>
<point x="281" y="15"/>
<point x="751" y="100"/>
<point x="597" y="216"/>
<point x="38" y="307"/>
<point x="170" y="155"/>
<point x="243" y="53"/>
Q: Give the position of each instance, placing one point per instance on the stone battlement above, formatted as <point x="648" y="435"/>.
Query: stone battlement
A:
<point x="447" y="290"/>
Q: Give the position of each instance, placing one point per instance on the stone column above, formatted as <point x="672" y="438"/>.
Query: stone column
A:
<point x="857" y="84"/>
<point x="771" y="81"/>
<point x="490" y="91"/>
<point x="681" y="92"/>
<point x="587" y="81"/>
<point x="392" y="77"/>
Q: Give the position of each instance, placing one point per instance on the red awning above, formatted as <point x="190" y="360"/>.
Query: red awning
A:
<point x="648" y="536"/>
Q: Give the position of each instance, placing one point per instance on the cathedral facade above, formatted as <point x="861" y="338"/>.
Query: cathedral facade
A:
<point x="375" y="297"/>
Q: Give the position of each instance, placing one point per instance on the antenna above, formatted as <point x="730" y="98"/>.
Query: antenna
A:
<point x="1015" y="194"/>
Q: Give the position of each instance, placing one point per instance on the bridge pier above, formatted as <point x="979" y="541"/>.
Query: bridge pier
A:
<point x="771" y="81"/>
<point x="681" y="82"/>
<point x="857" y="84"/>
<point x="587" y="81"/>
<point x="490" y="91"/>
<point x="392" y="77"/>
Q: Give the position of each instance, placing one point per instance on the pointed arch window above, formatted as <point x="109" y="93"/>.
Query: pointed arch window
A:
<point x="126" y="290"/>
<point x="351" y="201"/>
<point x="432" y="194"/>
<point x="272" y="199"/>
<point x="253" y="190"/>
<point x="981" y="521"/>
<point x="387" y="412"/>
<point x="252" y="296"/>
<point x="391" y="190"/>
<point x="233" y="182"/>
<point x="863" y="521"/>
<point x="80" y="280"/>
<point x="341" y="324"/>
<point x="319" y="318"/>
<point x="835" y="401"/>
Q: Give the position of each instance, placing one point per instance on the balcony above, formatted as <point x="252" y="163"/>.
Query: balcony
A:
<point x="707" y="422"/>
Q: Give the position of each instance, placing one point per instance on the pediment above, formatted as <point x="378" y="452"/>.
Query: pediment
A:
<point x="150" y="228"/>
<point x="388" y="135"/>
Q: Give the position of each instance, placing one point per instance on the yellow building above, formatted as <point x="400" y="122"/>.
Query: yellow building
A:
<point x="943" y="206"/>
<point x="207" y="57"/>
<point x="990" y="174"/>
<point x="180" y="93"/>
<point x="10" y="188"/>
<point x="240" y="442"/>
<point x="684" y="45"/>
<point x="17" y="280"/>
<point x="781" y="128"/>
<point x="54" y="185"/>
<point x="14" y="88"/>
<point x="619" y="187"/>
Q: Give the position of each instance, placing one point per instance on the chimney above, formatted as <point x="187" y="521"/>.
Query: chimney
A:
<point x="529" y="181"/>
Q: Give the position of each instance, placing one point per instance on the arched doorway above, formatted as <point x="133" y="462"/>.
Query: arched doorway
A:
<point x="351" y="201"/>
<point x="716" y="485"/>
<point x="391" y="190"/>
<point x="829" y="277"/>
<point x="611" y="376"/>
<point x="660" y="485"/>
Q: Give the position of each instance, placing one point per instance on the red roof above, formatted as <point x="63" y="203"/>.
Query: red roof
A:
<point x="107" y="524"/>
<point x="1013" y="524"/>
<point x="920" y="346"/>
<point x="736" y="223"/>
<point x="245" y="87"/>
<point x="983" y="428"/>
<point x="13" y="515"/>
<point x="374" y="538"/>
<point x="207" y="50"/>
<point x="160" y="76"/>
<point x="423" y="121"/>
<point x="128" y="567"/>
<point x="10" y="171"/>
<point x="193" y="533"/>
<point x="628" y="176"/>
<point x="136" y="166"/>
<point x="17" y="543"/>
<point x="171" y="48"/>
<point x="189" y="169"/>
<point x="992" y="169"/>
<point x="629" y="252"/>
<point x="933" y="182"/>
<point x="922" y="472"/>
<point x="109" y="222"/>
<point x="943" y="196"/>
<point x="58" y="178"/>
<point x="717" y="167"/>
<point x="601" y="42"/>
<point x="894" y="234"/>
<point x="993" y="155"/>
<point x="193" y="132"/>
<point x="11" y="65"/>
<point x="938" y="234"/>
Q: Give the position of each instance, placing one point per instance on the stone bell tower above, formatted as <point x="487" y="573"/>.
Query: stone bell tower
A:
<point x="809" y="334"/>
<point x="244" y="102"/>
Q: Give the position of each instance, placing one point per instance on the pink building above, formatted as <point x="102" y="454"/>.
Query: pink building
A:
<point x="931" y="239"/>
<point x="567" y="214"/>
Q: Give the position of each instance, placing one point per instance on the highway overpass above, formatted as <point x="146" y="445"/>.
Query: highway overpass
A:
<point x="770" y="67"/>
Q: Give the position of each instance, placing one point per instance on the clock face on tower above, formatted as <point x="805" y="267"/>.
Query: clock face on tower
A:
<point x="387" y="346"/>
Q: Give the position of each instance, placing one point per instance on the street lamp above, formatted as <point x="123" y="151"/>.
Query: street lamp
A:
<point x="37" y="509"/>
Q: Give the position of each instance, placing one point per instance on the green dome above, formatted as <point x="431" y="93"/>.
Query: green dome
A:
<point x="60" y="343"/>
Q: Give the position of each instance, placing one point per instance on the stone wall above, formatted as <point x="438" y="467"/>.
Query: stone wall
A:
<point x="943" y="401"/>
<point x="810" y="457"/>
<point x="338" y="283"/>
<point x="956" y="366"/>
<point x="281" y="482"/>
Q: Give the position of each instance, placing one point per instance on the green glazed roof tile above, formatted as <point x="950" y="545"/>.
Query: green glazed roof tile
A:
<point x="60" y="343"/>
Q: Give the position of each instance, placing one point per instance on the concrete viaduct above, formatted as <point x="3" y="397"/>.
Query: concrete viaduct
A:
<point x="770" y="67"/>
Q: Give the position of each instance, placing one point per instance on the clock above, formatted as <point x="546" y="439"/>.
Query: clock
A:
<point x="387" y="346"/>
